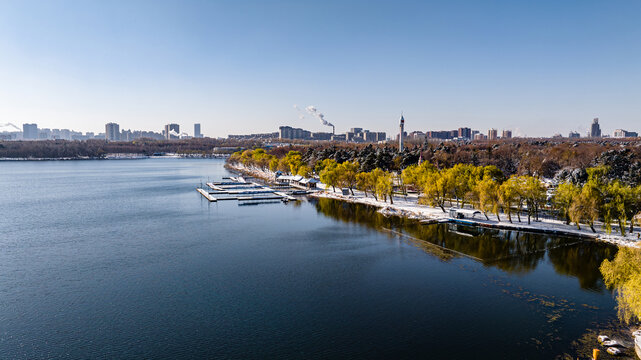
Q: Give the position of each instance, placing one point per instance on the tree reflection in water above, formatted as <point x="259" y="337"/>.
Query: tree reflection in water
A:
<point x="509" y="251"/>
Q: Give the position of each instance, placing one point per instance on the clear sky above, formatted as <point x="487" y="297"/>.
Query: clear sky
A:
<point x="536" y="67"/>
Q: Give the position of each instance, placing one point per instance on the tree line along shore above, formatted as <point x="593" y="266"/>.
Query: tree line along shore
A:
<point x="596" y="199"/>
<point x="99" y="149"/>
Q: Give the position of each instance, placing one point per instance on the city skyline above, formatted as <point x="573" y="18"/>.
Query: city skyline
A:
<point x="31" y="131"/>
<point x="238" y="69"/>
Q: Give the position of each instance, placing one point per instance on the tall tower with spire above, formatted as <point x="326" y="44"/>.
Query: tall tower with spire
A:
<point x="400" y="135"/>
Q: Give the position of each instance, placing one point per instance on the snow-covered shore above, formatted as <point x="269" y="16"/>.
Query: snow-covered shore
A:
<point x="407" y="206"/>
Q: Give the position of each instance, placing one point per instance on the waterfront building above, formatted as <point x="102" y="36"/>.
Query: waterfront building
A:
<point x="112" y="131"/>
<point x="595" y="129"/>
<point x="197" y="133"/>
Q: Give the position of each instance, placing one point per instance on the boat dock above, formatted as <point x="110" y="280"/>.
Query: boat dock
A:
<point x="206" y="194"/>
<point x="243" y="191"/>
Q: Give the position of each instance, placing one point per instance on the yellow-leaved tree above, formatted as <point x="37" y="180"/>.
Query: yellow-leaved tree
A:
<point x="624" y="275"/>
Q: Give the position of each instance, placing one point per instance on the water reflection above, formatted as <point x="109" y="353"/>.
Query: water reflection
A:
<point x="509" y="251"/>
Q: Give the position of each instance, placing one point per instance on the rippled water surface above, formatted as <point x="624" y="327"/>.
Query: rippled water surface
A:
<point x="124" y="259"/>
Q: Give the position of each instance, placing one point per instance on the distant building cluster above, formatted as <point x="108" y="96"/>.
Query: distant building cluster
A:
<point x="32" y="132"/>
<point x="353" y="135"/>
<point x="595" y="132"/>
<point x="112" y="133"/>
<point x="466" y="133"/>
<point x="620" y="133"/>
<point x="171" y="131"/>
<point x="292" y="133"/>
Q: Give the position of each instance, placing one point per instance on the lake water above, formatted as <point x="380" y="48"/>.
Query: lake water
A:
<point x="124" y="259"/>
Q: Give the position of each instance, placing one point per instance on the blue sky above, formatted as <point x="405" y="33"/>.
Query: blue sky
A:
<point x="536" y="67"/>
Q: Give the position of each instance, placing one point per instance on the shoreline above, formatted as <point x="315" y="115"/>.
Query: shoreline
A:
<point x="124" y="157"/>
<point x="405" y="207"/>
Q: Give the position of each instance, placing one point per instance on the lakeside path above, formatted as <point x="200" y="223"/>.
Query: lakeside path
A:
<point x="407" y="206"/>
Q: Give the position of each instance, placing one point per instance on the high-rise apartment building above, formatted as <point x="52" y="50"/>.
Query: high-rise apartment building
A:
<point x="197" y="133"/>
<point x="492" y="134"/>
<point x="112" y="132"/>
<point x="29" y="131"/>
<point x="288" y="132"/>
<point x="595" y="129"/>
<point x="354" y="134"/>
<point x="507" y="134"/>
<point x="465" y="133"/>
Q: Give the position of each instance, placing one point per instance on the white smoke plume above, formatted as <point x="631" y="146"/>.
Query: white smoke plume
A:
<point x="517" y="132"/>
<point x="319" y="115"/>
<point x="301" y="114"/>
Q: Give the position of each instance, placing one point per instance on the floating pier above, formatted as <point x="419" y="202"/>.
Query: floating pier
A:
<point x="206" y="195"/>
<point x="240" y="189"/>
<point x="503" y="226"/>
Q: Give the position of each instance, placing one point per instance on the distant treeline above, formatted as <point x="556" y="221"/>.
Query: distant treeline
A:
<point x="56" y="149"/>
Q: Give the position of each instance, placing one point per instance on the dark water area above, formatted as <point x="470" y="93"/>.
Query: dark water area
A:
<point x="124" y="259"/>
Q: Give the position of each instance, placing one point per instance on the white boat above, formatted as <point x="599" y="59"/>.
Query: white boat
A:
<point x="613" y="351"/>
<point x="611" y="343"/>
<point x="603" y="338"/>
